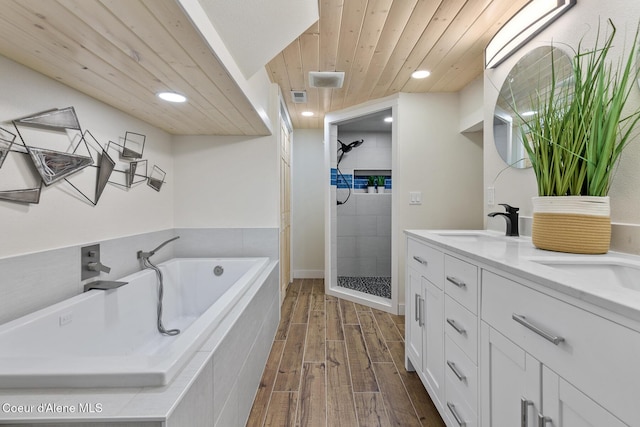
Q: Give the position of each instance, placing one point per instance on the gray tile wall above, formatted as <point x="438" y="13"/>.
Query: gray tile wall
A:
<point x="34" y="281"/>
<point x="364" y="236"/>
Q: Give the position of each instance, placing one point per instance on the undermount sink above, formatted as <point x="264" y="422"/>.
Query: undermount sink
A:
<point x="604" y="271"/>
<point x="471" y="236"/>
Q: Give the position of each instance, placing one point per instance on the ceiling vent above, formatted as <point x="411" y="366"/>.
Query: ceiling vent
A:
<point x="326" y="79"/>
<point x="299" y="96"/>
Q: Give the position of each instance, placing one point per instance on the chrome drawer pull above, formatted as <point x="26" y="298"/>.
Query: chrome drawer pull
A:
<point x="455" y="370"/>
<point x="455" y="326"/>
<point x="544" y="334"/>
<point x="459" y="283"/>
<point x="420" y="260"/>
<point x="524" y="411"/>
<point x="542" y="420"/>
<point x="457" y="417"/>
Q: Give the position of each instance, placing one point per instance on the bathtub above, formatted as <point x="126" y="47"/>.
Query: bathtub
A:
<point x="110" y="338"/>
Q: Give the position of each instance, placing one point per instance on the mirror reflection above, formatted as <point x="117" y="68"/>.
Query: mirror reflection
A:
<point x="530" y="77"/>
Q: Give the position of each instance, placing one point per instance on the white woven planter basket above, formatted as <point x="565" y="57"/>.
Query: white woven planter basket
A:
<point x="574" y="224"/>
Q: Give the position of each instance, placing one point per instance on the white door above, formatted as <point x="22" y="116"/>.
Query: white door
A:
<point x="565" y="406"/>
<point x="285" y="209"/>
<point x="510" y="382"/>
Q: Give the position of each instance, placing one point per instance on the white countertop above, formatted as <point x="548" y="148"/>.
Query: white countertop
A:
<point x="516" y="255"/>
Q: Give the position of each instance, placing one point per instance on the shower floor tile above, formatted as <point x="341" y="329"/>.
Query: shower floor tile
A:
<point x="379" y="286"/>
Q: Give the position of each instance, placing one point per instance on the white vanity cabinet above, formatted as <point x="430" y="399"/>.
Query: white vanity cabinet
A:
<point x="442" y="330"/>
<point x="499" y="344"/>
<point x="424" y="342"/>
<point x="546" y="362"/>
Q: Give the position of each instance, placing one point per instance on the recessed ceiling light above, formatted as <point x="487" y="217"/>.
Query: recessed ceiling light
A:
<point x="388" y="119"/>
<point x="420" y="74"/>
<point x="171" y="96"/>
<point x="307" y="113"/>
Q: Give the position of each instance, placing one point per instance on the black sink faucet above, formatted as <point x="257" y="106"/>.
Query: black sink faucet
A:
<point x="511" y="216"/>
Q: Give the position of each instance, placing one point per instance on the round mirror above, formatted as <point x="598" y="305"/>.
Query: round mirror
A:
<point x="530" y="76"/>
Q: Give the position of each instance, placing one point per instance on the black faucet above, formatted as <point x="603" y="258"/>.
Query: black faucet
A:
<point x="511" y="216"/>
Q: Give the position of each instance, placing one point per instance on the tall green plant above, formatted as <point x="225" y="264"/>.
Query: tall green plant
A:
<point x="579" y="131"/>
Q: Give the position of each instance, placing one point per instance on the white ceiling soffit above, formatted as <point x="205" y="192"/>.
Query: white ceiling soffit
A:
<point x="255" y="31"/>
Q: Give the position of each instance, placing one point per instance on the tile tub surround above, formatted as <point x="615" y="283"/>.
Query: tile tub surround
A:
<point x="33" y="281"/>
<point x="216" y="387"/>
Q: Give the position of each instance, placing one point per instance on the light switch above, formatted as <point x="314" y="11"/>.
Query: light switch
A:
<point x="415" y="198"/>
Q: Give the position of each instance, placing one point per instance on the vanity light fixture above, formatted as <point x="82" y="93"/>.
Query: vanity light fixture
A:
<point x="388" y="119"/>
<point x="528" y="113"/>
<point x="420" y="74"/>
<point x="522" y="27"/>
<point x="307" y="113"/>
<point x="171" y="96"/>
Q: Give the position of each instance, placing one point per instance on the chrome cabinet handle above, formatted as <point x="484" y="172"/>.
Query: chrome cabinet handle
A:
<point x="456" y="416"/>
<point x="542" y="420"/>
<point x="455" y="326"/>
<point x="459" y="283"/>
<point x="420" y="260"/>
<point x="455" y="370"/>
<point x="544" y="334"/>
<point x="421" y="304"/>
<point x="524" y="411"/>
<point x="416" y="311"/>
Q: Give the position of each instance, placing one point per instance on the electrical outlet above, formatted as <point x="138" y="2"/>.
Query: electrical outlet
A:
<point x="491" y="196"/>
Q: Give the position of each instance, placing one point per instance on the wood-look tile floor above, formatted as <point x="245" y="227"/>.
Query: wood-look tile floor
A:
<point x="336" y="363"/>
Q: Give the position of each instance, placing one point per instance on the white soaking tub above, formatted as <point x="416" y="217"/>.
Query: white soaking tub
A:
<point x="110" y="338"/>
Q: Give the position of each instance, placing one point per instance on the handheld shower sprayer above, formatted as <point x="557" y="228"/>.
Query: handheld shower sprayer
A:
<point x="345" y="148"/>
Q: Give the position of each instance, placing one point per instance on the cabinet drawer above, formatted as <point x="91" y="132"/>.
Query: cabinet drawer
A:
<point x="462" y="373"/>
<point x="427" y="261"/>
<point x="462" y="327"/>
<point x="457" y="409"/>
<point x="597" y="356"/>
<point x="461" y="282"/>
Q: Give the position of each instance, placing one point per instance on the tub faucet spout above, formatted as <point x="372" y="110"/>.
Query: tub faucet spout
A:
<point x="142" y="254"/>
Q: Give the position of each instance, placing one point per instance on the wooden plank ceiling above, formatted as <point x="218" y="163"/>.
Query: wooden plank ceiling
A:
<point x="379" y="43"/>
<point x="123" y="52"/>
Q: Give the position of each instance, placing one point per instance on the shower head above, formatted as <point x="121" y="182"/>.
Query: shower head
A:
<point x="345" y="148"/>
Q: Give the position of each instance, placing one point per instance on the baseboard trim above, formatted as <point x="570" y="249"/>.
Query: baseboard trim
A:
<point x="308" y="274"/>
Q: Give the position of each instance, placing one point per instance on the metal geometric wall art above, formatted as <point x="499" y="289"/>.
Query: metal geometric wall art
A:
<point x="28" y="195"/>
<point x="54" y="165"/>
<point x="133" y="145"/>
<point x="56" y="119"/>
<point x="137" y="173"/>
<point x="156" y="179"/>
<point x="105" y="168"/>
<point x="6" y="141"/>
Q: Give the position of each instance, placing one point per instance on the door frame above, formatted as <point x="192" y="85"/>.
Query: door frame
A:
<point x="331" y="122"/>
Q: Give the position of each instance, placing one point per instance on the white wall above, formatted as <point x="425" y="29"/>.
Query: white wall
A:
<point x="472" y="106"/>
<point x="61" y="219"/>
<point x="228" y="181"/>
<point x="307" y="207"/>
<point x="516" y="187"/>
<point x="440" y="162"/>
